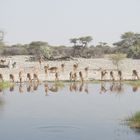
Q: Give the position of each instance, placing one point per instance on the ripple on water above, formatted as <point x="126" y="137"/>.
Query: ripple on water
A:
<point x="59" y="128"/>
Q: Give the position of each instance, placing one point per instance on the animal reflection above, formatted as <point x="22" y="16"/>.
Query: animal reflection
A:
<point x="103" y="87"/>
<point x="134" y="88"/>
<point x="56" y="87"/>
<point x="115" y="87"/>
<point x="78" y="87"/>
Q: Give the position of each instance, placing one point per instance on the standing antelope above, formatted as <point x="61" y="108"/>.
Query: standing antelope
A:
<point x="46" y="70"/>
<point x="40" y="60"/>
<point x="135" y="75"/>
<point x="35" y="77"/>
<point x="75" y="66"/>
<point x="29" y="78"/>
<point x="53" y="69"/>
<point x="112" y="75"/>
<point x="12" y="78"/>
<point x="103" y="73"/>
<point x="62" y="67"/>
<point x="120" y="75"/>
<point x="81" y="77"/>
<point x="56" y="76"/>
<point x="73" y="76"/>
<point x="2" y="61"/>
<point x="20" y="76"/>
<point x="1" y="78"/>
<point x="86" y="72"/>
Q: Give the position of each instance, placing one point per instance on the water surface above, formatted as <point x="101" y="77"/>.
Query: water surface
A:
<point x="72" y="111"/>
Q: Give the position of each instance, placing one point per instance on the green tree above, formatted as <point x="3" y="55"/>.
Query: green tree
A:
<point x="116" y="59"/>
<point x="74" y="41"/>
<point x="40" y="48"/>
<point x="85" y="40"/>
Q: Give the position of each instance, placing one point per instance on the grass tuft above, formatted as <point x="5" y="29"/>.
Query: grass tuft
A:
<point x="134" y="120"/>
<point x="4" y="85"/>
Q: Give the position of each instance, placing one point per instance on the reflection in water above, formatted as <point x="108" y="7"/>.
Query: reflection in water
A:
<point x="11" y="87"/>
<point x="29" y="88"/>
<point x="73" y="86"/>
<point x="134" y="88"/>
<point x="59" y="115"/>
<point x="53" y="88"/>
<point x="21" y="88"/>
<point x="46" y="89"/>
<point x="105" y="87"/>
<point x="116" y="87"/>
<point x="2" y="102"/>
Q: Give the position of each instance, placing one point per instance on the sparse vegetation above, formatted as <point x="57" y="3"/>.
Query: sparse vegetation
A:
<point x="134" y="83"/>
<point x="134" y="121"/>
<point x="4" y="85"/>
<point x="116" y="59"/>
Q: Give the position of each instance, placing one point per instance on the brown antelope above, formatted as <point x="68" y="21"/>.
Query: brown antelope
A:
<point x="73" y="76"/>
<point x="135" y="75"/>
<point x="11" y="78"/>
<point x="20" y="76"/>
<point x="35" y="77"/>
<point x="56" y="76"/>
<point x="53" y="69"/>
<point x="1" y="78"/>
<point x="103" y="73"/>
<point x="75" y="66"/>
<point x="40" y="60"/>
<point x="81" y="77"/>
<point x="62" y="67"/>
<point x="29" y="77"/>
<point x="120" y="75"/>
<point x="46" y="69"/>
<point x="112" y="75"/>
<point x="86" y="71"/>
<point x="2" y="61"/>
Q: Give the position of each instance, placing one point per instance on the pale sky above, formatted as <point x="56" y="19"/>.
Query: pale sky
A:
<point x="56" y="21"/>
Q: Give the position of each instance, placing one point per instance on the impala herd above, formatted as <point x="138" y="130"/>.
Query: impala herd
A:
<point x="74" y="75"/>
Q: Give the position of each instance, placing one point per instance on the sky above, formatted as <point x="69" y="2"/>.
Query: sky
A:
<point x="56" y="21"/>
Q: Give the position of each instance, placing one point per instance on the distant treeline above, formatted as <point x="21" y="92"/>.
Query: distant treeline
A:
<point x="129" y="44"/>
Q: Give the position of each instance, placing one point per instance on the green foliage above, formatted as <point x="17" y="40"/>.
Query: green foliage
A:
<point x="39" y="48"/>
<point x="116" y="59"/>
<point x="46" y="51"/>
<point x="134" y="52"/>
<point x="4" y="85"/>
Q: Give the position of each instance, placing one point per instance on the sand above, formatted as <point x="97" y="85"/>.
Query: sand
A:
<point x="22" y="63"/>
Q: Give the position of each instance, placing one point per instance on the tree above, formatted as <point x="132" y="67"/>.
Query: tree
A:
<point x="85" y="40"/>
<point x="1" y="35"/>
<point x="74" y="41"/>
<point x="39" y="48"/>
<point x="116" y="59"/>
<point x="128" y="38"/>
